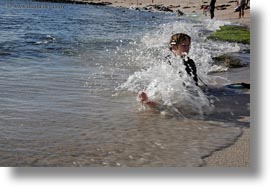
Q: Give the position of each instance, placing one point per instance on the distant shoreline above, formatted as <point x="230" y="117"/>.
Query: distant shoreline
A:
<point x="76" y="2"/>
<point x="224" y="8"/>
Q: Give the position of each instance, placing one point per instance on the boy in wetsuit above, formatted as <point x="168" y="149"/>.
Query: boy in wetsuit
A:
<point x="179" y="45"/>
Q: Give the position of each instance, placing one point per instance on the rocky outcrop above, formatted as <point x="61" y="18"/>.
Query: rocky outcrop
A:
<point x="222" y="7"/>
<point x="159" y="8"/>
<point x="230" y="61"/>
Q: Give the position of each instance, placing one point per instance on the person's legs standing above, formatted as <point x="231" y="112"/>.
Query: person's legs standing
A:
<point x="241" y="12"/>
<point x="243" y="8"/>
<point x="212" y="12"/>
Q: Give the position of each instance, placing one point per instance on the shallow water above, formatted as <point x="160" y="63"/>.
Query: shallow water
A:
<point x="61" y="69"/>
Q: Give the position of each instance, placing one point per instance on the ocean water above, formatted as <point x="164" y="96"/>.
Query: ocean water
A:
<point x="70" y="74"/>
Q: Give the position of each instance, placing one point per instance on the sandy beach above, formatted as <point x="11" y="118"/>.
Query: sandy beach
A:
<point x="237" y="155"/>
<point x="224" y="8"/>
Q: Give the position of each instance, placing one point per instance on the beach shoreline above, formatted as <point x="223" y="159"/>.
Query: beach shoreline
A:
<point x="237" y="154"/>
<point x="224" y="8"/>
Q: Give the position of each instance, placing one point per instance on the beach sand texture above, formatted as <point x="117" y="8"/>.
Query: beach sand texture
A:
<point x="224" y="8"/>
<point x="237" y="155"/>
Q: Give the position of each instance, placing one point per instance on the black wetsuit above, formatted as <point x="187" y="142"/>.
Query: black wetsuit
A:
<point x="190" y="68"/>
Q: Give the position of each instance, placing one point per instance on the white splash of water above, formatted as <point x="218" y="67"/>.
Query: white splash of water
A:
<point x="171" y="87"/>
<point x="154" y="45"/>
<point x="162" y="82"/>
<point x="213" y="24"/>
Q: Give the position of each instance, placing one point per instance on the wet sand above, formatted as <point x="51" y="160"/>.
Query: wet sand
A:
<point x="236" y="155"/>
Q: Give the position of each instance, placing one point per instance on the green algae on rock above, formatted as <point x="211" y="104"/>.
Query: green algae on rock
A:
<point x="232" y="33"/>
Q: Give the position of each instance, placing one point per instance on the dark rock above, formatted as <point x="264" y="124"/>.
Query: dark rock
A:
<point x="222" y="7"/>
<point x="246" y="51"/>
<point x="166" y="9"/>
<point x="229" y="61"/>
<point x="159" y="8"/>
<point x="174" y="6"/>
<point x="232" y="1"/>
<point x="232" y="62"/>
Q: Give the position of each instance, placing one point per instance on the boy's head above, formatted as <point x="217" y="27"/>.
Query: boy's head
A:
<point x="180" y="44"/>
